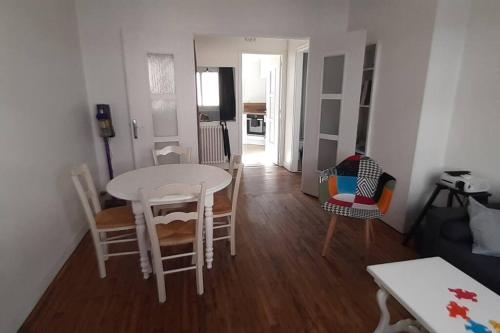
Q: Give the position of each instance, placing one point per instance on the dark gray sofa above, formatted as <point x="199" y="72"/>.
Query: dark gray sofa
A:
<point x="446" y="233"/>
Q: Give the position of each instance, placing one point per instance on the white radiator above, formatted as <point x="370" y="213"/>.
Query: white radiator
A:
<point x="212" y="144"/>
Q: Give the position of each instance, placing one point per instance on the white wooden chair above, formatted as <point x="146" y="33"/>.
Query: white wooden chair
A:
<point x="103" y="221"/>
<point x="226" y="203"/>
<point x="183" y="152"/>
<point x="175" y="228"/>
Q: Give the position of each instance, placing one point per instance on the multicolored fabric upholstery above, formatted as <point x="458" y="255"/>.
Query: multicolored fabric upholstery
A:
<point x="357" y="188"/>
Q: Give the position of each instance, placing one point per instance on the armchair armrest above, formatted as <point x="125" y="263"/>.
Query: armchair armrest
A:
<point x="384" y="192"/>
<point x="327" y="184"/>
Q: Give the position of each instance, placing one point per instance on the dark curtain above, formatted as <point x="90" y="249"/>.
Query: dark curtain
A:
<point x="227" y="102"/>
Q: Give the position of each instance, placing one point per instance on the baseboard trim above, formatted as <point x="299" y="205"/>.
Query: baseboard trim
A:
<point x="45" y="284"/>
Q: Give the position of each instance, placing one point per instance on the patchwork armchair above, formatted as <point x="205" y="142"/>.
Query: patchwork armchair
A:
<point x="356" y="188"/>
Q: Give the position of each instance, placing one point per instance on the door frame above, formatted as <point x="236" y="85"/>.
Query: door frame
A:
<point x="281" y="116"/>
<point x="297" y="98"/>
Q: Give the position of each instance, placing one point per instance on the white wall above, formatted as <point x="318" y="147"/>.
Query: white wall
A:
<point x="403" y="31"/>
<point x="44" y="131"/>
<point x="445" y="61"/>
<point x="253" y="84"/>
<point x="101" y="21"/>
<point x="474" y="135"/>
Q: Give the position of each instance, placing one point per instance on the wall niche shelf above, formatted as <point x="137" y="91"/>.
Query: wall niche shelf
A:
<point x="365" y="100"/>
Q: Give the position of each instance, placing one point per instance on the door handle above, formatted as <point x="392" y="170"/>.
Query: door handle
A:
<point x="134" y="129"/>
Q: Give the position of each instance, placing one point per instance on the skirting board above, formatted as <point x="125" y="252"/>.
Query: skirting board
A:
<point x="44" y="283"/>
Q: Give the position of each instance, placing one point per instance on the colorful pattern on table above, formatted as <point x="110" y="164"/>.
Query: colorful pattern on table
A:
<point x="464" y="294"/>
<point x="495" y="325"/>
<point x="476" y="327"/>
<point x="456" y="310"/>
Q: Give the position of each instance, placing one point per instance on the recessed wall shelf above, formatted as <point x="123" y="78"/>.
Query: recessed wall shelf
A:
<point x="331" y="96"/>
<point x="365" y="99"/>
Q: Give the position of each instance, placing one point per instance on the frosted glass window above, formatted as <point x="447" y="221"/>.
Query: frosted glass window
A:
<point x="330" y="116"/>
<point x="162" y="94"/>
<point x="327" y="154"/>
<point x="161" y="73"/>
<point x="333" y="74"/>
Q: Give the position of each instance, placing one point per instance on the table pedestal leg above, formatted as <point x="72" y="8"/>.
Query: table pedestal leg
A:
<point x="140" y="224"/>
<point x="384" y="326"/>
<point x="209" y="230"/>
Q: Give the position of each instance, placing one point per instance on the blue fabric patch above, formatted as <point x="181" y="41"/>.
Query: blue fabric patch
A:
<point x="347" y="184"/>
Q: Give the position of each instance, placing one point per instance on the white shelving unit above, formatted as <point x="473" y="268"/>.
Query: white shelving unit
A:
<point x="366" y="99"/>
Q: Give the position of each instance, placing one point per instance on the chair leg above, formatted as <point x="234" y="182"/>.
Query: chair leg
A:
<point x="102" y="236"/>
<point x="372" y="230"/>
<point x="329" y="234"/>
<point x="232" y="234"/>
<point x="160" y="280"/>
<point x="99" y="254"/>
<point x="199" y="268"/>
<point x="368" y="232"/>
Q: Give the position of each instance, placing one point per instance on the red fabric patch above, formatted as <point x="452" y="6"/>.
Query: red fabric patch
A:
<point x="354" y="158"/>
<point x="336" y="202"/>
<point x="364" y="200"/>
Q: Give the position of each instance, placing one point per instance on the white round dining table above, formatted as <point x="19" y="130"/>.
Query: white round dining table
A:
<point x="126" y="186"/>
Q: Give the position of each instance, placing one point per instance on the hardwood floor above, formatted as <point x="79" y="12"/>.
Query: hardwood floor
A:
<point x="278" y="282"/>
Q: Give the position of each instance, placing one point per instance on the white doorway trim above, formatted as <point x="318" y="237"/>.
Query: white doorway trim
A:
<point x="297" y="99"/>
<point x="283" y="82"/>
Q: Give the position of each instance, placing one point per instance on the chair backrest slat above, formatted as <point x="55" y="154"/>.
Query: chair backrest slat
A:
<point x="175" y="216"/>
<point x="163" y="196"/>
<point x="183" y="152"/>
<point x="86" y="191"/>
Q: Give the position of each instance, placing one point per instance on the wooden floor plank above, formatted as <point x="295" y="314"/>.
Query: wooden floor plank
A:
<point x="278" y="282"/>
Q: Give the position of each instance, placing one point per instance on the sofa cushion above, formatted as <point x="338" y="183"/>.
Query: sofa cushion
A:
<point x="484" y="269"/>
<point x="485" y="226"/>
<point x="457" y="231"/>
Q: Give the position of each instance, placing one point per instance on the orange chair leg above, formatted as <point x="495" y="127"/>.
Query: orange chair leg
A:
<point x="329" y="234"/>
<point x="369" y="234"/>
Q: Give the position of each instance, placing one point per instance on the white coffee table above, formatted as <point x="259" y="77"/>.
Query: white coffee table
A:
<point x="421" y="287"/>
<point x="126" y="186"/>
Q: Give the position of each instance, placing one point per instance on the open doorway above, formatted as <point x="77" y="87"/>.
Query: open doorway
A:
<point x="255" y="100"/>
<point x="261" y="98"/>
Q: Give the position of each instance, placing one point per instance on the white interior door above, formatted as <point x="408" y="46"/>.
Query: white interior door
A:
<point x="334" y="85"/>
<point x="159" y="68"/>
<point x="272" y="110"/>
